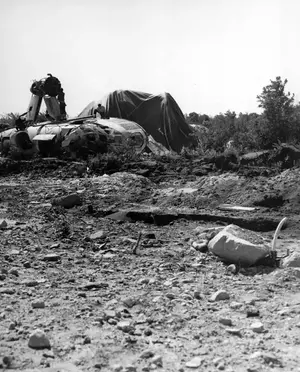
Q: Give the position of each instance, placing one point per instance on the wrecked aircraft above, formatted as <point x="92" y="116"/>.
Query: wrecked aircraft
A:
<point x="127" y="118"/>
<point x="90" y="134"/>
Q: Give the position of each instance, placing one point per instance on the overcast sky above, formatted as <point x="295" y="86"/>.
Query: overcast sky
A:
<point x="211" y="55"/>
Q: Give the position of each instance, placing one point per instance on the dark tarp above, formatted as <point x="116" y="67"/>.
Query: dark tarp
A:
<point x="159" y="115"/>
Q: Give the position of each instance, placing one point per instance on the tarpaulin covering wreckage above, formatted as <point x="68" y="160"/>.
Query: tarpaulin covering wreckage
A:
<point x="159" y="115"/>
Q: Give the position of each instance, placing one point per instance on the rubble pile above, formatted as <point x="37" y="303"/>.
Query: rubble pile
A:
<point x="91" y="279"/>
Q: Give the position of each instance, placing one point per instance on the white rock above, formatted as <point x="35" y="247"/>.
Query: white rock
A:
<point x="219" y="296"/>
<point x="194" y="363"/>
<point x="257" y="327"/>
<point x="200" y="246"/>
<point x="38" y="340"/>
<point x="236" y="305"/>
<point x="236" y="245"/>
<point x="292" y="261"/>
<point x="117" y="368"/>
<point x="231" y="269"/>
<point x="100" y="234"/>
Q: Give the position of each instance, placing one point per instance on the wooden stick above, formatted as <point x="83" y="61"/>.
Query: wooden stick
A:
<point x="134" y="250"/>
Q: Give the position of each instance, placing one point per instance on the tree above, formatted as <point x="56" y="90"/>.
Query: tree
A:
<point x="278" y="109"/>
<point x="193" y="118"/>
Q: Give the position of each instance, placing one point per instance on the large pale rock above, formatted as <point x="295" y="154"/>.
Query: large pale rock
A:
<point x="292" y="261"/>
<point x="236" y="245"/>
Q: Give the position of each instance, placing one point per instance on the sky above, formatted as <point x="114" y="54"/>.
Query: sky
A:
<point x="210" y="55"/>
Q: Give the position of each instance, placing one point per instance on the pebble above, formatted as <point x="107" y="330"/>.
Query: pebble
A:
<point x="87" y="340"/>
<point x="3" y="224"/>
<point x="2" y="316"/>
<point x="236" y="305"/>
<point x="157" y="360"/>
<point x="30" y="283"/>
<point x="130" y="302"/>
<point x="252" y="312"/>
<point x="38" y="340"/>
<point x="198" y="295"/>
<point x="14" y="272"/>
<point x="219" y="296"/>
<point x="2" y="276"/>
<point x="257" y="327"/>
<point x="268" y="358"/>
<point x="51" y="257"/>
<point x="39" y="304"/>
<point x="49" y="354"/>
<point x="148" y="332"/>
<point x="68" y="201"/>
<point x="200" y="246"/>
<point x="130" y="368"/>
<point x="217" y="361"/>
<point x="146" y="354"/>
<point x="7" y="360"/>
<point x="27" y="264"/>
<point x="117" y="368"/>
<point x="12" y="326"/>
<point x="98" y="235"/>
<point x="231" y="269"/>
<point x="8" y="291"/>
<point x="125" y="326"/>
<point x="234" y="331"/>
<point x="143" y="281"/>
<point x="109" y="314"/>
<point x="170" y="296"/>
<point x="194" y="363"/>
<point x="225" y="321"/>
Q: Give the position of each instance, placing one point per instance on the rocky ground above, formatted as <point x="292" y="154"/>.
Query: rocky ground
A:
<point x="115" y="283"/>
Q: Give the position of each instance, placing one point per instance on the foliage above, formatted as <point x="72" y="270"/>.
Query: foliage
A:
<point x="7" y="121"/>
<point x="194" y="118"/>
<point x="278" y="109"/>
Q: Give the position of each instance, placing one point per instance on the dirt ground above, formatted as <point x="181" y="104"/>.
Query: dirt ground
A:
<point x="72" y="274"/>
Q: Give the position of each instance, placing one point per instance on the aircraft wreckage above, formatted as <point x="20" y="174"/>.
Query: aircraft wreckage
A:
<point x="121" y="120"/>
